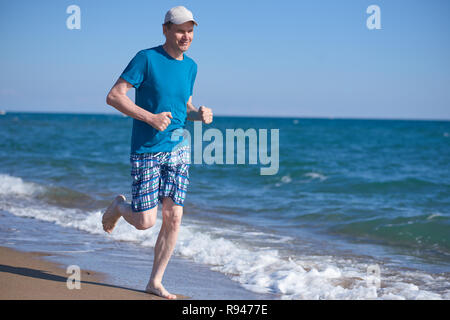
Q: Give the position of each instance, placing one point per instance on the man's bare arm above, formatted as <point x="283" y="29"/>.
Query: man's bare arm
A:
<point x="203" y="114"/>
<point x="117" y="98"/>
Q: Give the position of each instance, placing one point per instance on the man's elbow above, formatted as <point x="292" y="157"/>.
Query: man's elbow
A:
<point x="110" y="98"/>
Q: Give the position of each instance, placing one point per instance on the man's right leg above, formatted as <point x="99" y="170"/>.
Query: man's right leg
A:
<point x="120" y="208"/>
<point x="140" y="220"/>
<point x="141" y="213"/>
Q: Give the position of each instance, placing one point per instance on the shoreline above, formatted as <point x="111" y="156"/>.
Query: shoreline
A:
<point x="29" y="276"/>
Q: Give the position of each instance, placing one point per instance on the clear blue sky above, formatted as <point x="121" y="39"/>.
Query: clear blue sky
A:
<point x="311" y="58"/>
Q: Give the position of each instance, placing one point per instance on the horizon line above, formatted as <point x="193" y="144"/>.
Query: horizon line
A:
<point x="241" y="116"/>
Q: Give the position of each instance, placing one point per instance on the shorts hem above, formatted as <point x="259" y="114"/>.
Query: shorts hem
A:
<point x="143" y="210"/>
<point x="172" y="197"/>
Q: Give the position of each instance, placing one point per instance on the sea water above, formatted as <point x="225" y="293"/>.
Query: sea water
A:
<point x="350" y="196"/>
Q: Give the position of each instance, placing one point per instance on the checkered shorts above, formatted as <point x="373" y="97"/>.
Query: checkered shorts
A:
<point x="158" y="175"/>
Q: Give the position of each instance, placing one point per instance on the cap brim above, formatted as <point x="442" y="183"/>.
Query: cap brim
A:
<point x="181" y="21"/>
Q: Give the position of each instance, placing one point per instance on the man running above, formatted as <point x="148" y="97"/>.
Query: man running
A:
<point x="164" y="80"/>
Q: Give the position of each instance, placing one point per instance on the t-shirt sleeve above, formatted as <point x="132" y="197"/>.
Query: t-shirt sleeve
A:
<point x="193" y="76"/>
<point x="136" y="71"/>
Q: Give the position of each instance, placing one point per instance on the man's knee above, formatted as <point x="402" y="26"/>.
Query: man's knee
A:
<point x="146" y="219"/>
<point x="172" y="216"/>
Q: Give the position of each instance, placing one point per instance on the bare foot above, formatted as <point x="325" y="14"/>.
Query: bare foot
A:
<point x="159" y="290"/>
<point x="112" y="214"/>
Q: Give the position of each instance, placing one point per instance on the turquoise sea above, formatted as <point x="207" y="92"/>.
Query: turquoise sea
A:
<point x="350" y="196"/>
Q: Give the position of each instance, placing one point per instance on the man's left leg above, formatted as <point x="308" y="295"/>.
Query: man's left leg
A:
<point x="167" y="238"/>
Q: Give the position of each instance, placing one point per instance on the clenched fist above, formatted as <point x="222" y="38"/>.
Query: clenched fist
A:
<point x="160" y="121"/>
<point x="206" y="114"/>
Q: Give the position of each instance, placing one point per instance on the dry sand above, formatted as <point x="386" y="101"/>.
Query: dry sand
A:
<point x="28" y="276"/>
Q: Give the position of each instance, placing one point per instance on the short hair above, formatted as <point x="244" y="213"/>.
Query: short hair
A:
<point x="168" y="24"/>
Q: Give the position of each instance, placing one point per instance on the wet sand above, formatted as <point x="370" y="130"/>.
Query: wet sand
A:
<point x="28" y="276"/>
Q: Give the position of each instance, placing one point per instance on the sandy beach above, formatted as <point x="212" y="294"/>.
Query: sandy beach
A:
<point x="28" y="276"/>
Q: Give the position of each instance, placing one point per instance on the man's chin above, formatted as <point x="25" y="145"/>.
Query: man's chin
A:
<point x="183" y="48"/>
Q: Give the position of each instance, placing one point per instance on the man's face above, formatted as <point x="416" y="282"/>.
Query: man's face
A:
<point x="179" y="35"/>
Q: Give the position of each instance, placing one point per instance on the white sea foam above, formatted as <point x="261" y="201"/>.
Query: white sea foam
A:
<point x="315" y="175"/>
<point x="284" y="179"/>
<point x="10" y="185"/>
<point x="434" y="215"/>
<point x="263" y="270"/>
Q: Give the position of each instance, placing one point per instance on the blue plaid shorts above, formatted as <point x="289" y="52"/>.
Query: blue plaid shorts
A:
<point x="158" y="175"/>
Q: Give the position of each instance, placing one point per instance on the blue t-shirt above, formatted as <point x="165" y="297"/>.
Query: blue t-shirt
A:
<point x="162" y="84"/>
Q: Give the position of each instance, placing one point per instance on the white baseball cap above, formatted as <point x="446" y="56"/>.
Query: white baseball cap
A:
<point x="179" y="15"/>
